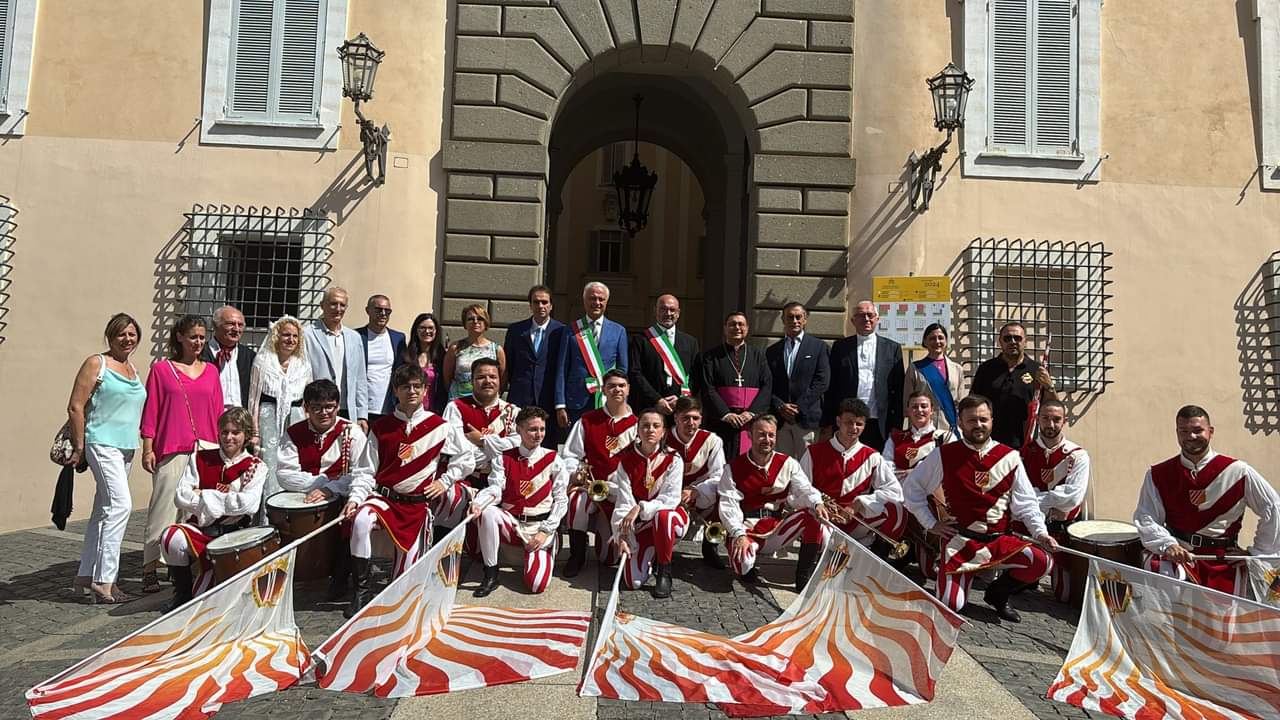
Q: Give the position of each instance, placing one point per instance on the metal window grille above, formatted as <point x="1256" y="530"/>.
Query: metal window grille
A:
<point x="1051" y="288"/>
<point x="267" y="262"/>
<point x="8" y="228"/>
<point x="1258" y="342"/>
<point x="608" y="251"/>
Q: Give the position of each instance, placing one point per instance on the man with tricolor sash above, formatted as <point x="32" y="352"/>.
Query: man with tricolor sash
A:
<point x="1191" y="506"/>
<point x="1059" y="472"/>
<point x="661" y="363"/>
<point x="523" y="504"/>
<point x="762" y="482"/>
<point x="408" y="488"/>
<point x="986" y="488"/>
<point x="647" y="515"/>
<point x="702" y="454"/>
<point x="591" y="454"/>
<point x="596" y="345"/>
<point x="858" y="480"/>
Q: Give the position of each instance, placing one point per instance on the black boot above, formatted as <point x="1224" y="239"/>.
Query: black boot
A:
<point x="490" y="581"/>
<point x="361" y="585"/>
<point x="663" y="587"/>
<point x="577" y="553"/>
<point x="806" y="564"/>
<point x="182" y="583"/>
<point x="711" y="555"/>
<point x="997" y="596"/>
<point x="751" y="577"/>
<point x="339" y="580"/>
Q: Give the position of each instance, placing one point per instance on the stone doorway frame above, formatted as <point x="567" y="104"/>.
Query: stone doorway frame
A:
<point x="783" y="66"/>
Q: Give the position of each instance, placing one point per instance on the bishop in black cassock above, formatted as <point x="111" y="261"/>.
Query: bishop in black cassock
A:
<point x="735" y="382"/>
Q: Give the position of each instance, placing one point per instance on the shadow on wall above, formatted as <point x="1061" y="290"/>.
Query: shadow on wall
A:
<point x="7" y="239"/>
<point x="221" y="254"/>
<point x="1258" y="340"/>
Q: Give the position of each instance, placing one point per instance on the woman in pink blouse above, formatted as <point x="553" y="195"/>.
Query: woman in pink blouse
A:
<point x="184" y="400"/>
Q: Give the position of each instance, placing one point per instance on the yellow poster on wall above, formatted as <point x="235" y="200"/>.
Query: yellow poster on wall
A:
<point x="908" y="304"/>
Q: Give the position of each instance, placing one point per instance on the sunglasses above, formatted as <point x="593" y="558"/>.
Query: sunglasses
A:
<point x="380" y="311"/>
<point x="1013" y="338"/>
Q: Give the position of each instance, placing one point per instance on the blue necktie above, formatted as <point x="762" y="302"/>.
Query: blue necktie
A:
<point x="537" y="340"/>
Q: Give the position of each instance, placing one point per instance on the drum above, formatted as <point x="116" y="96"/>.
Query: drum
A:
<point x="1109" y="539"/>
<point x="294" y="518"/>
<point x="237" y="550"/>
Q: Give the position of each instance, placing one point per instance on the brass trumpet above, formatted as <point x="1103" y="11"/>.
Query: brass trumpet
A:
<point x="598" y="490"/>
<point x="844" y="515"/>
<point x="714" y="533"/>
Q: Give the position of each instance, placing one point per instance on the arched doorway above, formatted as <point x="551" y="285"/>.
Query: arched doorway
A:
<point x="757" y="100"/>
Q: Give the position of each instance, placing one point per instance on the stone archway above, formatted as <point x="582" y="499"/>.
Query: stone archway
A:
<point x="783" y="67"/>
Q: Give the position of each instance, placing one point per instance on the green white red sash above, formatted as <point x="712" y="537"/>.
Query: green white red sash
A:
<point x="586" y="339"/>
<point x="670" y="358"/>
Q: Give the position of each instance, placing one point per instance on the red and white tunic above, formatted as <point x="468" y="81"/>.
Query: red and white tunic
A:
<point x="1206" y="498"/>
<point x="653" y="482"/>
<point x="856" y="476"/>
<point x="746" y="486"/>
<point x="529" y="483"/>
<point x="214" y="490"/>
<point x="984" y="487"/>
<point x="497" y="423"/>
<point x="906" y="448"/>
<point x="406" y="453"/>
<point x="703" y="460"/>
<point x="308" y="460"/>
<point x="598" y="440"/>
<point x="1059" y="474"/>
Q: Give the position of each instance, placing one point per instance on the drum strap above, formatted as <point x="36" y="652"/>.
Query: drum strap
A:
<point x="1197" y="540"/>
<point x="219" y="529"/>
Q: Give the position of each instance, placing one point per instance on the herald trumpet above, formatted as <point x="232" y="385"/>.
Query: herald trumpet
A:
<point x="714" y="533"/>
<point x="842" y="515"/>
<point x="598" y="490"/>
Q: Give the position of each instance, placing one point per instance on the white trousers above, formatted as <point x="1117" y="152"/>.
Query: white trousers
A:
<point x="100" y="555"/>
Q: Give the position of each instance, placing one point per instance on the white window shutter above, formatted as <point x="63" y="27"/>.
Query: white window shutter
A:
<point x="250" y="91"/>
<point x="1010" y="88"/>
<point x="6" y="45"/>
<point x="301" y="58"/>
<point x="1054" y="90"/>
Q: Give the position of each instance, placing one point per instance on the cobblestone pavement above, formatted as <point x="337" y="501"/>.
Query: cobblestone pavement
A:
<point x="47" y="629"/>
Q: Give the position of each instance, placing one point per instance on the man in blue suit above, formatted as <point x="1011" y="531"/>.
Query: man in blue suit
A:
<point x="801" y="367"/>
<point x="533" y="348"/>
<point x="383" y="353"/>
<point x="595" y="345"/>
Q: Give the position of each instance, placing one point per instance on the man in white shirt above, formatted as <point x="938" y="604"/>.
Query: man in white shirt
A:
<point x="867" y="367"/>
<point x="1193" y="505"/>
<point x="383" y="352"/>
<point x="1059" y="472"/>
<point x="233" y="361"/>
<point x="336" y="353"/>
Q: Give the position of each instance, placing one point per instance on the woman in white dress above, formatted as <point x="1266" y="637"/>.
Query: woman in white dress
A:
<point x="280" y="374"/>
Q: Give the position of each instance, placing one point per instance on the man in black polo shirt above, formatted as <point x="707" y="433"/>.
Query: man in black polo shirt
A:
<point x="1011" y="381"/>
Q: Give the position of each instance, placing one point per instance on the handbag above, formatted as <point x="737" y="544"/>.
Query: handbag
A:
<point x="63" y="447"/>
<point x="191" y="418"/>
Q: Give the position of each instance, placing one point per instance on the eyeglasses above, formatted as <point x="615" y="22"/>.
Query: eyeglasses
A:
<point x="473" y="318"/>
<point x="380" y="311"/>
<point x="864" y="316"/>
<point x="1012" y="338"/>
<point x="327" y="409"/>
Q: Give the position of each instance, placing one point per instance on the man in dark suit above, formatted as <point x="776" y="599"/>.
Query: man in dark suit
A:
<point x="383" y="353"/>
<point x="234" y="361"/>
<point x="595" y="345"/>
<point x="532" y="348"/>
<point x="801" y="367"/>
<point x="662" y="361"/>
<point x="868" y="367"/>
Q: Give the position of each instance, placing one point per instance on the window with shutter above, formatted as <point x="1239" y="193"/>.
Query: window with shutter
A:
<point x="6" y="42"/>
<point x="1035" y="105"/>
<point x="276" y="60"/>
<point x="1267" y="18"/>
<point x="17" y="38"/>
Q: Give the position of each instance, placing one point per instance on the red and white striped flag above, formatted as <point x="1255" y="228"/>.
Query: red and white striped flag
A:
<point x="412" y="639"/>
<point x="234" y="642"/>
<point x="861" y="635"/>
<point x="1149" y="646"/>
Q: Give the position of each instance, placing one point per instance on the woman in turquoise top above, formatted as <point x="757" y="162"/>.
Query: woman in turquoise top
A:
<point x="105" y="411"/>
<point x="457" y="361"/>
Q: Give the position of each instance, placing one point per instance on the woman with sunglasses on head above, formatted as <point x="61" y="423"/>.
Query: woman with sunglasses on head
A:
<point x="426" y="346"/>
<point x="457" y="361"/>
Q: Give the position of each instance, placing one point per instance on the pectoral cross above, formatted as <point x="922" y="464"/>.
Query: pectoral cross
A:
<point x="738" y="381"/>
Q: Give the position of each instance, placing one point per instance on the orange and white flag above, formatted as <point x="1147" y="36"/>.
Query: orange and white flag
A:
<point x="1150" y="646"/>
<point x="413" y="640"/>
<point x="231" y="643"/>
<point x="861" y="635"/>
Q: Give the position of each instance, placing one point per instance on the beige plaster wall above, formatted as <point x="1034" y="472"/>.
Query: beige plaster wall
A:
<point x="1178" y="205"/>
<point x="102" y="184"/>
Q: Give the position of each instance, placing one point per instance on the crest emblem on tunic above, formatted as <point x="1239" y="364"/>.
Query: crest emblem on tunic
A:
<point x="837" y="562"/>
<point x="1046" y="475"/>
<point x="611" y="443"/>
<point x="911" y="453"/>
<point x="450" y="564"/>
<point x="405" y="452"/>
<point x="1197" y="497"/>
<point x="1114" y="591"/>
<point x="269" y="583"/>
<point x="1273" y="585"/>
<point x="982" y="479"/>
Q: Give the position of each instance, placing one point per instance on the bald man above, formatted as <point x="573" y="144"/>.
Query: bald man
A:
<point x="662" y="360"/>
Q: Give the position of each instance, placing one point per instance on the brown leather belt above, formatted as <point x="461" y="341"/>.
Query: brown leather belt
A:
<point x="394" y="496"/>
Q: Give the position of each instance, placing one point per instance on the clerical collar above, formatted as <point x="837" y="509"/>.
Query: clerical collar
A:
<point x="980" y="450"/>
<point x="1197" y="466"/>
<point x="737" y="347"/>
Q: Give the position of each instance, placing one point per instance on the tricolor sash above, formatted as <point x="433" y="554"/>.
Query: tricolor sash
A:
<point x="670" y="358"/>
<point x="587" y="346"/>
<point x="938" y="385"/>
